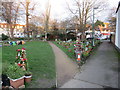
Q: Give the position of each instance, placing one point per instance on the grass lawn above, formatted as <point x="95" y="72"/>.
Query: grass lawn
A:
<point x="65" y="50"/>
<point x="0" y="60"/>
<point x="41" y="61"/>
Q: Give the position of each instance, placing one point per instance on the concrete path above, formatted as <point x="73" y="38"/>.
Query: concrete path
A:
<point x="65" y="67"/>
<point x="100" y="70"/>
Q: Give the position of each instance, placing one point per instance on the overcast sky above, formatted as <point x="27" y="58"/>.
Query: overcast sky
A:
<point x="59" y="8"/>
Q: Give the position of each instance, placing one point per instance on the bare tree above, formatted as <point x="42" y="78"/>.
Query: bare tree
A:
<point x="10" y="14"/>
<point x="29" y="8"/>
<point x="55" y="28"/>
<point x="112" y="19"/>
<point x="46" y="19"/>
<point x="82" y="11"/>
<point x="37" y="23"/>
<point x="68" y="23"/>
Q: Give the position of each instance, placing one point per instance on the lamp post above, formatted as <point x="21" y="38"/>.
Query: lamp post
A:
<point x="93" y="30"/>
<point x="27" y="14"/>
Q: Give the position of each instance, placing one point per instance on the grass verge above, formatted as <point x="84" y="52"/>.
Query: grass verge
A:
<point x="65" y="50"/>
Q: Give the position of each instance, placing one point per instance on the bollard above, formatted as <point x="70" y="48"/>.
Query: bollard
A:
<point x="78" y="59"/>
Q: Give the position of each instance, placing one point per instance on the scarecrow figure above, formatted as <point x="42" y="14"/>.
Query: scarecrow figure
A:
<point x="21" y="59"/>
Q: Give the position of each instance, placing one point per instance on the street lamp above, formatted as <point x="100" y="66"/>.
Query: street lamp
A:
<point x="93" y="30"/>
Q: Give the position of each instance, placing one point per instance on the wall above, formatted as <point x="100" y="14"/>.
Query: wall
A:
<point x="117" y="38"/>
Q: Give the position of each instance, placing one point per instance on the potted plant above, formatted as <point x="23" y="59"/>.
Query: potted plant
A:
<point x="85" y="55"/>
<point x="16" y="76"/>
<point x="69" y="50"/>
<point x="28" y="76"/>
<point x="90" y="48"/>
<point x="22" y="63"/>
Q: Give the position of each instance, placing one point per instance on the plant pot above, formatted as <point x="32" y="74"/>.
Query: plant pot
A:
<point x="16" y="83"/>
<point x="67" y="47"/>
<point x="88" y="51"/>
<point x="28" y="78"/>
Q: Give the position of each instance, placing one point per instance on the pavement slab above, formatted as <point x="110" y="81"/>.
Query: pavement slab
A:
<point x="101" y="68"/>
<point x="66" y="69"/>
<point x="80" y="84"/>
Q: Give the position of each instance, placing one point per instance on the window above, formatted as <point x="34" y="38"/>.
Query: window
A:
<point x="20" y="26"/>
<point x="12" y="26"/>
<point x="2" y="26"/>
<point x="17" y="27"/>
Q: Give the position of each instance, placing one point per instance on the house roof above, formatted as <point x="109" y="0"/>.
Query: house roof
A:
<point x="118" y="7"/>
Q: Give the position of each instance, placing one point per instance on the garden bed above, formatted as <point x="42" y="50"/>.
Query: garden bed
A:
<point x="65" y="50"/>
<point x="85" y="48"/>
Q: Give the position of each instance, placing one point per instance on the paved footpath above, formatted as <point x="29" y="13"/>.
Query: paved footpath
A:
<point x="65" y="67"/>
<point x="100" y="70"/>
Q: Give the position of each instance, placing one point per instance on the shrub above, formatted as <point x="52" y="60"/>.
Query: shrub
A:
<point x="85" y="54"/>
<point x="4" y="37"/>
<point x="20" y="38"/>
<point x="28" y="73"/>
<point x="15" y="72"/>
<point x="4" y="68"/>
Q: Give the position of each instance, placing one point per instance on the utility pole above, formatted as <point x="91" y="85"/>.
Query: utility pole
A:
<point x="93" y="30"/>
<point x="27" y="14"/>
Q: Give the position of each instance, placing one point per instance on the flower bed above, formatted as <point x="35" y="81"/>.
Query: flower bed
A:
<point x="73" y="48"/>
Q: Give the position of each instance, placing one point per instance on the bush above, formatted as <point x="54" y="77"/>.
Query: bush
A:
<point x="85" y="54"/>
<point x="28" y="73"/>
<point x="4" y="37"/>
<point x="20" y="38"/>
<point x="4" y="68"/>
<point x="15" y="72"/>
